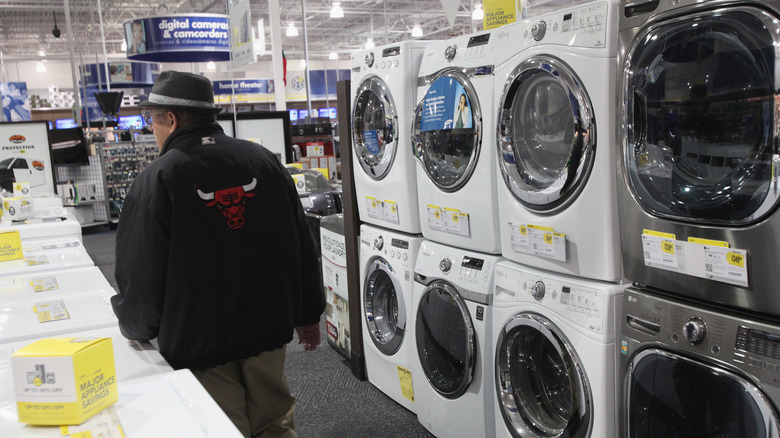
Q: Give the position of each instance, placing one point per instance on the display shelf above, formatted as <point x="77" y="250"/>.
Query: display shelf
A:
<point x="88" y="175"/>
<point x="123" y="161"/>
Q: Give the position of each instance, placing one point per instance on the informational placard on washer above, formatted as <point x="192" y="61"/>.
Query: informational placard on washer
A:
<point x="405" y="380"/>
<point x="44" y="284"/>
<point x="390" y="210"/>
<point x="660" y="250"/>
<point x="374" y="208"/>
<point x="435" y="217"/>
<point x="334" y="279"/>
<point x="51" y="311"/>
<point x="704" y="258"/>
<point x="371" y="139"/>
<point x="456" y="222"/>
<point x="538" y="240"/>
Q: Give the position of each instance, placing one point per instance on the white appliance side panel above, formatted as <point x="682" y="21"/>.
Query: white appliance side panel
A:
<point x="48" y="284"/>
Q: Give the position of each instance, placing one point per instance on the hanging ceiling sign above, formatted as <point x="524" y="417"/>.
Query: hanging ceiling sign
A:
<point x="246" y="90"/>
<point x="179" y="38"/>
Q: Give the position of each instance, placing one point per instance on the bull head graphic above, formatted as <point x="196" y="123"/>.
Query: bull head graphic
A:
<point x="231" y="202"/>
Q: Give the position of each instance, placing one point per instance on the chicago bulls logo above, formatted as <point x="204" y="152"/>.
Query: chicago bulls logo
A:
<point x="230" y="202"/>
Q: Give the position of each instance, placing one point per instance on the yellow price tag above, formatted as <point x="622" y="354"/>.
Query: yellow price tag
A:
<point x="523" y="230"/>
<point x="667" y="246"/>
<point x="548" y="238"/>
<point x="736" y="259"/>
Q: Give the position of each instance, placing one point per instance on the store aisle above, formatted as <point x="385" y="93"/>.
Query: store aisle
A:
<point x="331" y="402"/>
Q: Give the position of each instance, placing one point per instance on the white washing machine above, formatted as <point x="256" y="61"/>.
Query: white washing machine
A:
<point x="39" y="229"/>
<point x="386" y="281"/>
<point x="384" y="83"/>
<point x="555" y="354"/>
<point x="555" y="93"/>
<point x="453" y="142"/>
<point x="52" y="283"/>
<point x="453" y="363"/>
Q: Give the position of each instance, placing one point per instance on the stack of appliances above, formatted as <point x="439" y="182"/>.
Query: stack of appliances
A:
<point x="384" y="86"/>
<point x="456" y="171"/>
<point x="558" y="297"/>
<point x="698" y="213"/>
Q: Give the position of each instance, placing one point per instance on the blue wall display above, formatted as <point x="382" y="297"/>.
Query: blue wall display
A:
<point x="179" y="38"/>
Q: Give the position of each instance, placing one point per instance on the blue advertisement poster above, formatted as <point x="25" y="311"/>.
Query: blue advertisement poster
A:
<point x="446" y="106"/>
<point x="371" y="139"/>
<point x="179" y="38"/>
<point x="126" y="74"/>
<point x="16" y="105"/>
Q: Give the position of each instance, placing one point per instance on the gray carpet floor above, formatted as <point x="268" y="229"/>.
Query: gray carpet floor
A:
<point x="331" y="401"/>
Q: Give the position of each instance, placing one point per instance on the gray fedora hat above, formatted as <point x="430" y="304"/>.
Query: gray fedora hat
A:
<point x="188" y="91"/>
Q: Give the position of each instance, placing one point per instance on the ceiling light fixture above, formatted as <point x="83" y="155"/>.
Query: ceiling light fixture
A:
<point x="477" y="13"/>
<point x="417" y="30"/>
<point x="336" y="11"/>
<point x="333" y="55"/>
<point x="41" y="53"/>
<point x="370" y="43"/>
<point x="211" y="66"/>
<point x="41" y="67"/>
<point x="292" y="31"/>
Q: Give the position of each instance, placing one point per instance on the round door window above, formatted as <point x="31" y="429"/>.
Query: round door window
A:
<point x="446" y="342"/>
<point x="541" y="386"/>
<point x="546" y="134"/>
<point x="447" y="130"/>
<point x="374" y="125"/>
<point x="384" y="307"/>
<point x="700" y="117"/>
<point x="669" y="395"/>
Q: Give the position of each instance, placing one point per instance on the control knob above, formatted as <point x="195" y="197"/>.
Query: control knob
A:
<point x="538" y="30"/>
<point x="695" y="330"/>
<point x="449" y="52"/>
<point x="379" y="242"/>
<point x="537" y="290"/>
<point x="445" y="265"/>
<point x="370" y="59"/>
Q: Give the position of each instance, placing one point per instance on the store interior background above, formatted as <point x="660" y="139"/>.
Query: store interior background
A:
<point x="95" y="34"/>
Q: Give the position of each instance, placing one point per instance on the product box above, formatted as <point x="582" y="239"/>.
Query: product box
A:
<point x="18" y="209"/>
<point x="64" y="381"/>
<point x="21" y="189"/>
<point x="315" y="149"/>
<point x="69" y="193"/>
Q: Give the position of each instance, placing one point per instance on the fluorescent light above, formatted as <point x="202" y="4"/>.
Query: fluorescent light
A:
<point x="211" y="66"/>
<point x="370" y="43"/>
<point x="124" y="46"/>
<point x="477" y="13"/>
<point x="292" y="31"/>
<point x="336" y="11"/>
<point x="41" y="67"/>
<point x="41" y="53"/>
<point x="417" y="31"/>
<point x="333" y="55"/>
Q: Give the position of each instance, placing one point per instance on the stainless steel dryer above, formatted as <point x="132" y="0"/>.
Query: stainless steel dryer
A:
<point x="697" y="371"/>
<point x="698" y="133"/>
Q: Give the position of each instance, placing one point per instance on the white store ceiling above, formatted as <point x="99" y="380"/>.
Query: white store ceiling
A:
<point x="26" y="25"/>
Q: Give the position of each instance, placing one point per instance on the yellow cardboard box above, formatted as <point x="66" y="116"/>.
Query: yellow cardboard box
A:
<point x="64" y="381"/>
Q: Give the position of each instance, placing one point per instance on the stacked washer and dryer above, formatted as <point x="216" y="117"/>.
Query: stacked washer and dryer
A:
<point x="456" y="170"/>
<point x="384" y="88"/>
<point x="557" y="297"/>
<point x="700" y="338"/>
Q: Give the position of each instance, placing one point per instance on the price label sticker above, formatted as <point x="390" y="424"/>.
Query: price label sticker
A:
<point x="660" y="250"/>
<point x="434" y="215"/>
<point x="405" y="379"/>
<point x="51" y="311"/>
<point x="538" y="240"/>
<point x="374" y="208"/>
<point x="456" y="222"/>
<point x="391" y="211"/>
<point x="44" y="284"/>
<point x="518" y="235"/>
<point x="719" y="262"/>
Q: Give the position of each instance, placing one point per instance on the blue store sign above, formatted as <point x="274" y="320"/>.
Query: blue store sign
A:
<point x="179" y="38"/>
<point x="122" y="74"/>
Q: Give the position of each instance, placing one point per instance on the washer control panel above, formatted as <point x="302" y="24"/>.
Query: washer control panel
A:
<point x="469" y="270"/>
<point x="585" y="306"/>
<point x="581" y="27"/>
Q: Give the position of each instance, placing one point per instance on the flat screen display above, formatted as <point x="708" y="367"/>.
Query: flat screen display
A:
<point x="302" y="114"/>
<point x="130" y="122"/>
<point x="65" y="124"/>
<point x="293" y="115"/>
<point x="68" y="146"/>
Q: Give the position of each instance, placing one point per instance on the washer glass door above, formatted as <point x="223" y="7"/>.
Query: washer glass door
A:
<point x="447" y="130"/>
<point x="542" y="388"/>
<point x="669" y="395"/>
<point x="546" y="134"/>
<point x="385" y="308"/>
<point x="374" y="127"/>
<point x="446" y="342"/>
<point x="700" y="115"/>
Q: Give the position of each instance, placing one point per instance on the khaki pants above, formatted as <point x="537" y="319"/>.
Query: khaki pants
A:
<point x="254" y="394"/>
